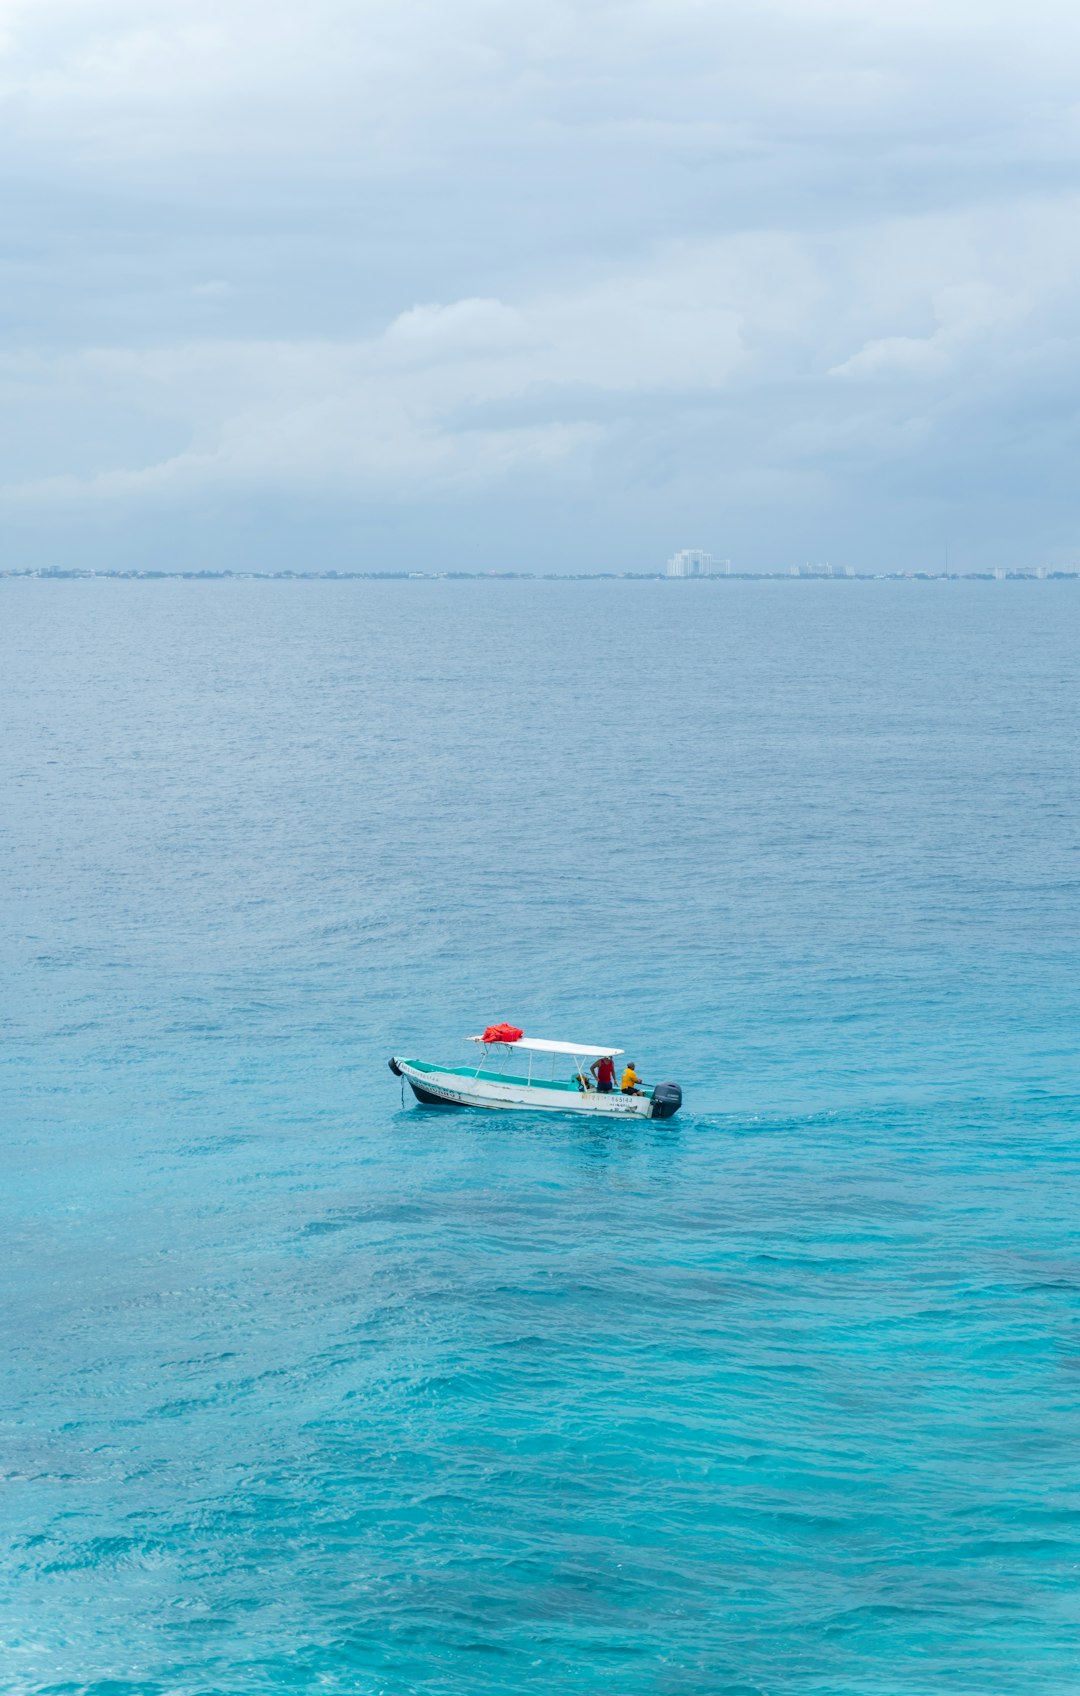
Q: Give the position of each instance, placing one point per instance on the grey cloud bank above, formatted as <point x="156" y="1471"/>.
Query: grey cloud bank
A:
<point x="557" y="286"/>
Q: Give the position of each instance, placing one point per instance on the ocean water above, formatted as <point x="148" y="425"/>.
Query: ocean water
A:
<point x="310" y="1390"/>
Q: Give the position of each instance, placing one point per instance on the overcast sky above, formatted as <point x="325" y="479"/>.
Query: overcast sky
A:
<point x="549" y="284"/>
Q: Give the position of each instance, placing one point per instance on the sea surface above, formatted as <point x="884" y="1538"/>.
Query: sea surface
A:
<point x="308" y="1389"/>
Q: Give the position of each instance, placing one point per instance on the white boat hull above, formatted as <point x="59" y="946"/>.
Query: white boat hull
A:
<point x="460" y="1087"/>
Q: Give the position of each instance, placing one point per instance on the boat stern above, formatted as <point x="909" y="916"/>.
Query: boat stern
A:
<point x="666" y="1101"/>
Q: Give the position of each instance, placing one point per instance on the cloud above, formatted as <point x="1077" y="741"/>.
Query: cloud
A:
<point x="464" y="328"/>
<point x="771" y="265"/>
<point x="966" y="314"/>
<point x="698" y="325"/>
<point x="187" y="77"/>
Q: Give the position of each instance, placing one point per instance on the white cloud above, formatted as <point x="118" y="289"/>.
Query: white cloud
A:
<point x="466" y="328"/>
<point x="654" y="244"/>
<point x="410" y="408"/>
<point x="966" y="313"/>
<point x="189" y="76"/>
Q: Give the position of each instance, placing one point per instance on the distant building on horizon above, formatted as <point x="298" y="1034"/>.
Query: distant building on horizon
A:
<point x="694" y="562"/>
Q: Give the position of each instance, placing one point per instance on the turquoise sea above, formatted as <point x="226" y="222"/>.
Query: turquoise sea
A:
<point x="307" y="1390"/>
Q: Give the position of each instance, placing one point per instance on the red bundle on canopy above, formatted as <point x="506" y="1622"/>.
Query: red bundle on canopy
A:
<point x="502" y="1033"/>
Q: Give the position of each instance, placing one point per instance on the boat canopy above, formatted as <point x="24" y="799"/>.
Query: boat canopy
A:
<point x="536" y="1045"/>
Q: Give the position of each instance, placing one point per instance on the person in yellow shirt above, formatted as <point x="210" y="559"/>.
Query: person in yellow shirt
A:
<point x="630" y="1080"/>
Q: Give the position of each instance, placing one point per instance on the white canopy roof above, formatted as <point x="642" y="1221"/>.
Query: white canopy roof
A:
<point x="536" y="1045"/>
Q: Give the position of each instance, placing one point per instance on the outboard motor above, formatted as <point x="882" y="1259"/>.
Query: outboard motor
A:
<point x="666" y="1101"/>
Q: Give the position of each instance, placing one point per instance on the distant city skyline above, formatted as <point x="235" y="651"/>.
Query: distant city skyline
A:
<point x="696" y="562"/>
<point x="782" y="574"/>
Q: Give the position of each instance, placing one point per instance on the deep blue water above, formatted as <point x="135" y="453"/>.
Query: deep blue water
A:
<point x="307" y="1391"/>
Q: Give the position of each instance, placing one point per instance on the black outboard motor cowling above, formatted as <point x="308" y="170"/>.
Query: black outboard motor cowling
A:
<point x="666" y="1101"/>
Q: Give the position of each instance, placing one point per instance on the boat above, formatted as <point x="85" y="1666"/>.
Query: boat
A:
<point x="523" y="1074"/>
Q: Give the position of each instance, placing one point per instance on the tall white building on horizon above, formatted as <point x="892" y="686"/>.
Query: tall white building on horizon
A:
<point x="695" y="562"/>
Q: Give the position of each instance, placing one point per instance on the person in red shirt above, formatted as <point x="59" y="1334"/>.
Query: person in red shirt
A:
<point x="603" y="1070"/>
